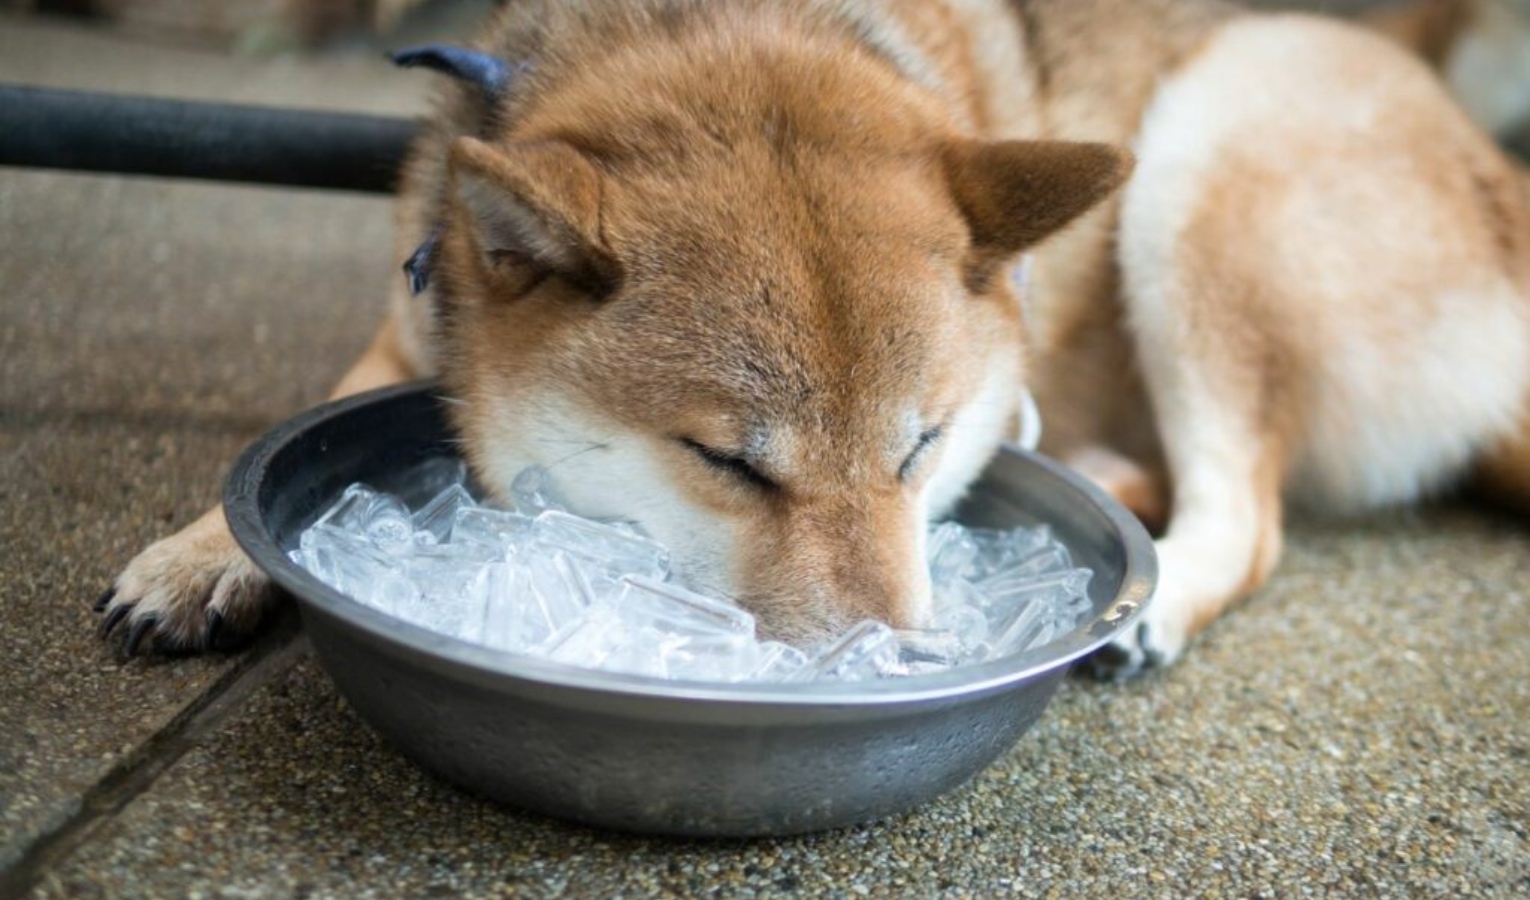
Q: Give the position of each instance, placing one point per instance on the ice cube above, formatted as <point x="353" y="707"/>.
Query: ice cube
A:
<point x="604" y="638"/>
<point x="1029" y="626"/>
<point x="674" y="609"/>
<point x="455" y="616"/>
<point x="940" y="648"/>
<point x="433" y="523"/>
<point x="382" y="518"/>
<point x="1009" y="588"/>
<point x="349" y="513"/>
<point x="1052" y="558"/>
<point x="532" y="493"/>
<point x="505" y="531"/>
<point x="416" y="485"/>
<point x="516" y="616"/>
<point x="590" y="639"/>
<point x="663" y="631"/>
<point x="506" y="589"/>
<point x="559" y="593"/>
<point x="868" y="650"/>
<point x="351" y="564"/>
<point x="613" y="550"/>
<point x="775" y="661"/>
<point x="950" y="551"/>
<point x="966" y="622"/>
<point x="718" y="657"/>
<point x="450" y="592"/>
<point x="957" y="593"/>
<point x="998" y="549"/>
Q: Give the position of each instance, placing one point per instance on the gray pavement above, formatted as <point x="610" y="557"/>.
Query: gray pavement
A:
<point x="1358" y="729"/>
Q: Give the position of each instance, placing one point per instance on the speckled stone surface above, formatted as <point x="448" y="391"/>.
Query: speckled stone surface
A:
<point x="128" y="387"/>
<point x="1358" y="729"/>
<point x="149" y="330"/>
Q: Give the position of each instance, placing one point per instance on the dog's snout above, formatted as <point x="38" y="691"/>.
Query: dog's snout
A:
<point x="845" y="562"/>
<point x="885" y="584"/>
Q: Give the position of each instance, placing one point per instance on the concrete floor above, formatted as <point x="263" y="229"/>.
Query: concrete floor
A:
<point x="1358" y="729"/>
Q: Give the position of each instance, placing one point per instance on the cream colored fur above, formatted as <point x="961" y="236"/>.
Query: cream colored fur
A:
<point x="1316" y="285"/>
<point x="1402" y="344"/>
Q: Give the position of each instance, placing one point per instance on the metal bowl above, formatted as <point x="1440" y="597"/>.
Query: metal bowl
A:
<point x="645" y="755"/>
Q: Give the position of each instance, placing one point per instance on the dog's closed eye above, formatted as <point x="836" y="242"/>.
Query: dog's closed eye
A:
<point x="736" y="466"/>
<point x="921" y="447"/>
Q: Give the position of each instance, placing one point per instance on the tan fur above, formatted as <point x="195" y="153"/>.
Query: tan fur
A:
<point x="828" y="232"/>
<point x="775" y="234"/>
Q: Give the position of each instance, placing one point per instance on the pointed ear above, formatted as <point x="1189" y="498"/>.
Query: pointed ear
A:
<point x="535" y="203"/>
<point x="1014" y="193"/>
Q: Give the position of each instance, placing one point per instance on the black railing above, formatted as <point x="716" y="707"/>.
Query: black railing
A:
<point x="77" y="130"/>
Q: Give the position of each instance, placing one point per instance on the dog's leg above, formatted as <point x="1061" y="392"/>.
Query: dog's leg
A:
<point x="196" y="590"/>
<point x="1135" y="486"/>
<point x="1220" y="382"/>
<point x="1224" y="535"/>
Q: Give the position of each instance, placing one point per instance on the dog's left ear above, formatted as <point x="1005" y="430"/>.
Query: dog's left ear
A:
<point x="1014" y="193"/>
<point x="538" y="202"/>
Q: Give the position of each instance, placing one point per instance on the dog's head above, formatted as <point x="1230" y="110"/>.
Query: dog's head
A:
<point x="781" y="340"/>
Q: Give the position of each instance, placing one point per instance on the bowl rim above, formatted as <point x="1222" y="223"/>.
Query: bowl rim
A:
<point x="485" y="665"/>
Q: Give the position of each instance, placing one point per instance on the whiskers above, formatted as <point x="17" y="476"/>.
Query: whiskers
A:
<point x="585" y="446"/>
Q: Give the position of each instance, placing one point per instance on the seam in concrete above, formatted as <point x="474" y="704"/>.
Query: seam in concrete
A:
<point x="271" y="657"/>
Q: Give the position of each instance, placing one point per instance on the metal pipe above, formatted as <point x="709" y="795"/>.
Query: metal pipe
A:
<point x="58" y="129"/>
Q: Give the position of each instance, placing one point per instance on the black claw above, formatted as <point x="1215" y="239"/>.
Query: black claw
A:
<point x="1108" y="661"/>
<point x="214" y="627"/>
<point x="106" y="599"/>
<point x="141" y="628"/>
<point x="113" y="618"/>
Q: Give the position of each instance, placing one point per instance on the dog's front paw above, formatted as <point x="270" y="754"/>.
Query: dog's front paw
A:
<point x="192" y="591"/>
<point x="1151" y="644"/>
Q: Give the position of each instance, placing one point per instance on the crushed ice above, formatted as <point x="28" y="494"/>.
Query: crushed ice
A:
<point x="539" y="580"/>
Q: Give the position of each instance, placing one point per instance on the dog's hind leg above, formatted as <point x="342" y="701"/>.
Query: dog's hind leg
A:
<point x="196" y="590"/>
<point x="1137" y="487"/>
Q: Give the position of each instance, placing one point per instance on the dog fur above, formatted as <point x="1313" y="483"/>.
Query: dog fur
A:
<point x="737" y="270"/>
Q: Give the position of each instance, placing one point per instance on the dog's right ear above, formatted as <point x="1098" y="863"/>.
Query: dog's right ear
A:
<point x="534" y="203"/>
<point x="1016" y="193"/>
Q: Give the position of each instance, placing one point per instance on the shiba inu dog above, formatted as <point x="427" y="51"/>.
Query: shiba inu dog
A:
<point x="739" y="270"/>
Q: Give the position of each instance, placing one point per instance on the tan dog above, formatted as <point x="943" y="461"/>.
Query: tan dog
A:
<point x="738" y="269"/>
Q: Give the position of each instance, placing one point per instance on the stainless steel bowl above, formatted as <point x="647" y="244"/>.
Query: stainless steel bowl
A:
<point x="652" y="756"/>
